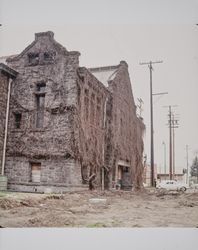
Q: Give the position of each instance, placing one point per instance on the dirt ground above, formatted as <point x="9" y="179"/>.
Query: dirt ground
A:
<point x="116" y="209"/>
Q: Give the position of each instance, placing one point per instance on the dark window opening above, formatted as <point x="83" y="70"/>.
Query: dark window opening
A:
<point x="49" y="56"/>
<point x="99" y="116"/>
<point x="92" y="109"/>
<point x="86" y="107"/>
<point x="86" y="92"/>
<point x="40" y="104"/>
<point x="126" y="169"/>
<point x="33" y="58"/>
<point x="17" y="120"/>
<point x="41" y="87"/>
<point x="86" y="104"/>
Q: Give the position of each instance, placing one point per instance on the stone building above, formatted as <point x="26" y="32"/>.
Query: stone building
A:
<point x="6" y="76"/>
<point x="70" y="126"/>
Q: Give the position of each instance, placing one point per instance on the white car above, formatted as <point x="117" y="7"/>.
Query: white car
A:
<point x="172" y="185"/>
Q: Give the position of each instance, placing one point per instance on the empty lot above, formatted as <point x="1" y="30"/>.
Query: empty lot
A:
<point x="117" y="209"/>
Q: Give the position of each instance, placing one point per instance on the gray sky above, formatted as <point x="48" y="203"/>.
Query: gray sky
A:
<point x="106" y="32"/>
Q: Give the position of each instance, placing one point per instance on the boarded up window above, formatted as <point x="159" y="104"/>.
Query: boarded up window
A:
<point x="35" y="172"/>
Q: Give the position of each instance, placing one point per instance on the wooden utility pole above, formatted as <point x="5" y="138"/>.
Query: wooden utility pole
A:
<point x="174" y="125"/>
<point x="151" y="114"/>
<point x="164" y="144"/>
<point x="170" y="146"/>
<point x="171" y="122"/>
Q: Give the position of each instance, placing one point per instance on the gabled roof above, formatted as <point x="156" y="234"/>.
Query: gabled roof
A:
<point x="104" y="74"/>
<point x="38" y="36"/>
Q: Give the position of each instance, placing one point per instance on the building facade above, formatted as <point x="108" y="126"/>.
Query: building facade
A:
<point x="6" y="76"/>
<point x="70" y="126"/>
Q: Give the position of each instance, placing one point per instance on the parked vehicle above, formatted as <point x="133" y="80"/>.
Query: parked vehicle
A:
<point x="172" y="185"/>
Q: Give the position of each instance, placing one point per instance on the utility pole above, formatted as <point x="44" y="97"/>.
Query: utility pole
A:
<point x="170" y="146"/>
<point x="171" y="126"/>
<point x="164" y="144"/>
<point x="174" y="125"/>
<point x="151" y="114"/>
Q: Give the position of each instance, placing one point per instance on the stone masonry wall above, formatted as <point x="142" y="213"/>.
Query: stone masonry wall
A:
<point x="124" y="130"/>
<point x="3" y="101"/>
<point x="91" y="124"/>
<point x="53" y="171"/>
<point x="43" y="62"/>
<point x="86" y="126"/>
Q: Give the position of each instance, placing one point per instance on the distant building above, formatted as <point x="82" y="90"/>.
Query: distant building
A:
<point x="178" y="177"/>
<point x="147" y="174"/>
<point x="70" y="126"/>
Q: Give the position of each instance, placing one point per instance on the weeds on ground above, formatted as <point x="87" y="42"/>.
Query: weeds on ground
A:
<point x="3" y="194"/>
<point x="97" y="224"/>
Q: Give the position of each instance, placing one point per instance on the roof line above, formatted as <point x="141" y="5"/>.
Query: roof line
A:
<point x="104" y="68"/>
<point x="8" y="70"/>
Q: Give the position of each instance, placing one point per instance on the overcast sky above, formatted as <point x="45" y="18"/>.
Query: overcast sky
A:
<point x="105" y="32"/>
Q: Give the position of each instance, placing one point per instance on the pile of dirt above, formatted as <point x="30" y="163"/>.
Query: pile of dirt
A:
<point x="8" y="203"/>
<point x="187" y="204"/>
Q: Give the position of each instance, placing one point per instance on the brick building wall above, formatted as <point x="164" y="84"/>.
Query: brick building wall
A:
<point x="6" y="74"/>
<point x="124" y="145"/>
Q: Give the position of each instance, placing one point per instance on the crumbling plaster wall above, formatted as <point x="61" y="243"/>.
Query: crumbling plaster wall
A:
<point x="55" y="140"/>
<point x="3" y="101"/>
